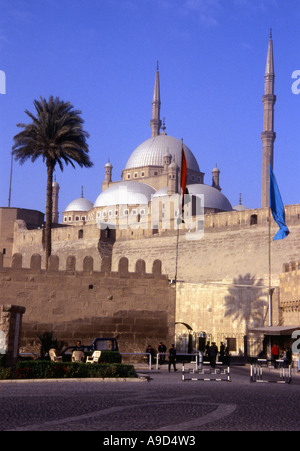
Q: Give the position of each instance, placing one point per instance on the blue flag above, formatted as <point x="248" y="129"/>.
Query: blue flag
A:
<point x="277" y="207"/>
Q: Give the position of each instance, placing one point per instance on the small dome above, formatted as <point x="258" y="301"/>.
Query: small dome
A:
<point x="240" y="207"/>
<point x="161" y="192"/>
<point x="80" y="204"/>
<point x="173" y="165"/>
<point x="152" y="151"/>
<point x="125" y="193"/>
<point x="213" y="198"/>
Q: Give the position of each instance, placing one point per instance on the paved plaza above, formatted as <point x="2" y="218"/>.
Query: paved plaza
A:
<point x="161" y="404"/>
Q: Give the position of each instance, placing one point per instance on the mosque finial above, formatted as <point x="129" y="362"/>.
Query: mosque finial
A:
<point x="163" y="127"/>
<point x="82" y="191"/>
<point x="240" y="199"/>
<point x="270" y="33"/>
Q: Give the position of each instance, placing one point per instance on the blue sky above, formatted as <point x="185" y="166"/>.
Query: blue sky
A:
<point x="101" y="56"/>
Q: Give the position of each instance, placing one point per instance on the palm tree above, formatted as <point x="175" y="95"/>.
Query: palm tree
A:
<point x="56" y="135"/>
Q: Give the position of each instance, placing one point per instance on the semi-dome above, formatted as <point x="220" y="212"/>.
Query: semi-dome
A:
<point x="152" y="151"/>
<point x="125" y="193"/>
<point x="213" y="198"/>
<point x="80" y="204"/>
<point x="161" y="192"/>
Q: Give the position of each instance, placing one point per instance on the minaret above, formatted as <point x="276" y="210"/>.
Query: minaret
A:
<point x="55" y="193"/>
<point x="155" y="121"/>
<point x="216" y="178"/>
<point x="108" y="175"/>
<point x="268" y="135"/>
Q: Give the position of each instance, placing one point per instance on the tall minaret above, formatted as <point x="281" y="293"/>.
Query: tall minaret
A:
<point x="155" y="121"/>
<point x="268" y="135"/>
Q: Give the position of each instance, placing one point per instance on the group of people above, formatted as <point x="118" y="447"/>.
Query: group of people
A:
<point x="212" y="351"/>
<point x="162" y="351"/>
<point x="284" y="354"/>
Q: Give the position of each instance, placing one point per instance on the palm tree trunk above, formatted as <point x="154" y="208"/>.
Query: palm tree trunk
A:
<point x="48" y="225"/>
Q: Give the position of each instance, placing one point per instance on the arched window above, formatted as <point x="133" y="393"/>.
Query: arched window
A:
<point x="80" y="234"/>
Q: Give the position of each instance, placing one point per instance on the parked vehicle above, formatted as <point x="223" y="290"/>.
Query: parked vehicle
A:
<point x="105" y="344"/>
<point x="98" y="344"/>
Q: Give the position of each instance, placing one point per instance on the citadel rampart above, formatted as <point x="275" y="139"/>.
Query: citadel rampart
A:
<point x="142" y="307"/>
<point x="136" y="306"/>
<point x="222" y="279"/>
<point x="233" y="244"/>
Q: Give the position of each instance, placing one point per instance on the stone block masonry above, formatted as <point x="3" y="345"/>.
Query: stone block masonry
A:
<point x="137" y="307"/>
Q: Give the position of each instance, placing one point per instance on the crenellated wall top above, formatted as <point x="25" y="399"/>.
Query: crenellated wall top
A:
<point x="87" y="264"/>
<point x="291" y="266"/>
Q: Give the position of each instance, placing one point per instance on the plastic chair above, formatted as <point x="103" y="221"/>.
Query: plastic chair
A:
<point x="94" y="358"/>
<point x="77" y="356"/>
<point x="53" y="356"/>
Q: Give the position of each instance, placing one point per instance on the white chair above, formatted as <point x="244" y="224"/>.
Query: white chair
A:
<point x="77" y="356"/>
<point x="94" y="358"/>
<point x="53" y="356"/>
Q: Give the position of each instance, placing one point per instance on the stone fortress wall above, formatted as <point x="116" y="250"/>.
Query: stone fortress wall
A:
<point x="222" y="279"/>
<point x="138" y="307"/>
<point x="233" y="243"/>
<point x="290" y="293"/>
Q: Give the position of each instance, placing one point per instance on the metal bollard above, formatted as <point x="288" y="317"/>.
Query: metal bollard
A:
<point x="200" y="360"/>
<point x="251" y="373"/>
<point x="228" y="374"/>
<point x="182" y="374"/>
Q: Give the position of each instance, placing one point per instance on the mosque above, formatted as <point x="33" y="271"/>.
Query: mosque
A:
<point x="216" y="256"/>
<point x="151" y="175"/>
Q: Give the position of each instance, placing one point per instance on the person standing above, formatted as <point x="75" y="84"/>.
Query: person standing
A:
<point x="212" y="354"/>
<point x="172" y="358"/>
<point x="162" y="349"/>
<point x="150" y="352"/>
<point x="222" y="352"/>
<point x="275" y="354"/>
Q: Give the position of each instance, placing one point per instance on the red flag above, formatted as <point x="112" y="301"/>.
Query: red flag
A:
<point x="183" y="179"/>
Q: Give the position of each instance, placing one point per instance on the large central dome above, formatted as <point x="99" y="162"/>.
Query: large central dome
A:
<point x="152" y="151"/>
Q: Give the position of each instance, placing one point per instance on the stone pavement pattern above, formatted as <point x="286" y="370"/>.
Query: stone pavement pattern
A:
<point x="165" y="403"/>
